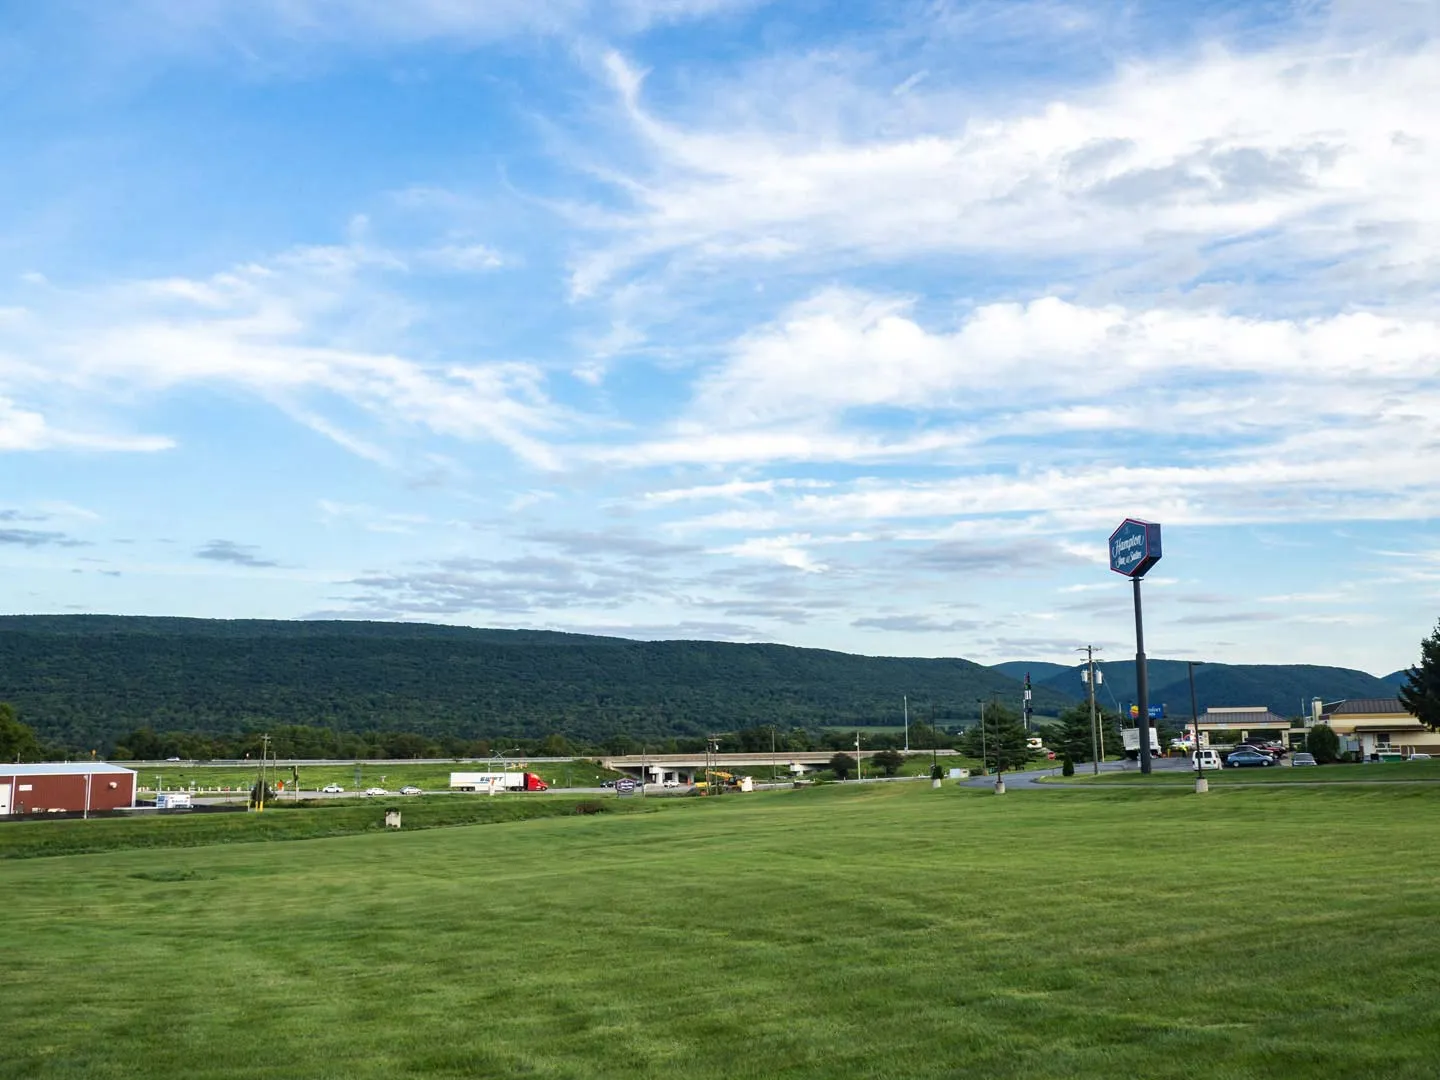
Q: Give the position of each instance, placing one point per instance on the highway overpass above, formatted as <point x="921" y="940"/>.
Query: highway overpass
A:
<point x="684" y="768"/>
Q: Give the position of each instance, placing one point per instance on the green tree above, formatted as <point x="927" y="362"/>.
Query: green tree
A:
<point x="1421" y="692"/>
<point x="842" y="765"/>
<point x="1000" y="741"/>
<point x="890" y="762"/>
<point x="1071" y="735"/>
<point x="17" y="741"/>
<point x="1323" y="743"/>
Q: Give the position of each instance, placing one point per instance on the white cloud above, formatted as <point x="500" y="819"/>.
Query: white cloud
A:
<point x="281" y="331"/>
<point x="1319" y="148"/>
<point x="25" y="429"/>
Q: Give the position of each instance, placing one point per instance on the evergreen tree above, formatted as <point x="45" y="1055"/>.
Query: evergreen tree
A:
<point x="1001" y="742"/>
<point x="1071" y="735"/>
<point x="842" y="765"/>
<point x="1421" y="694"/>
<point x="890" y="762"/>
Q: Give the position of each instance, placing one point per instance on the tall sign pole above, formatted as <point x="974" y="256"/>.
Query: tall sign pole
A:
<point x="1134" y="549"/>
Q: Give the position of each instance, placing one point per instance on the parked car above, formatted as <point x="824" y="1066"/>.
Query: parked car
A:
<point x="671" y="783"/>
<point x="1297" y="760"/>
<point x="1269" y="747"/>
<point x="1259" y="748"/>
<point x="1239" y="759"/>
<point x="607" y="783"/>
<point x="332" y="789"/>
<point x="1419" y="757"/>
<point x="410" y="789"/>
<point x="376" y="791"/>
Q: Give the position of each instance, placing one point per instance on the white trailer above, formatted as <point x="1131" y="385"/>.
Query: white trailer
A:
<point x="496" y="781"/>
<point x="1131" y="738"/>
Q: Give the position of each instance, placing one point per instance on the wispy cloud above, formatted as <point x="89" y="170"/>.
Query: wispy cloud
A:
<point x="228" y="551"/>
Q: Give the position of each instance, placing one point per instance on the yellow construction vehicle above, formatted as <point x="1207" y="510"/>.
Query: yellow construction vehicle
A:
<point x="725" y="781"/>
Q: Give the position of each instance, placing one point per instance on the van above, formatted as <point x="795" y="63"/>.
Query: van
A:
<point x="1206" y="759"/>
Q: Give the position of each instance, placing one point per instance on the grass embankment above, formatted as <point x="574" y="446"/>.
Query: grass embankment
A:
<point x="884" y="931"/>
<point x="578" y="773"/>
<point x="26" y="839"/>
<point x="1372" y="773"/>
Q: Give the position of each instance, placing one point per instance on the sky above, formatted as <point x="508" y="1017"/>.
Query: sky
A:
<point x="857" y="326"/>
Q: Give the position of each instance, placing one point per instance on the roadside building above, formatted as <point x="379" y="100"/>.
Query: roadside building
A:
<point x="1246" y="722"/>
<point x="1380" y="726"/>
<point x="65" y="787"/>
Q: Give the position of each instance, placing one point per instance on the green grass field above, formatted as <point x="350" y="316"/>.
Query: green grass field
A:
<point x="1412" y="771"/>
<point x="889" y="931"/>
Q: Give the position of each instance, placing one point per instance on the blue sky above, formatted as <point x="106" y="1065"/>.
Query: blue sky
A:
<point x="855" y="326"/>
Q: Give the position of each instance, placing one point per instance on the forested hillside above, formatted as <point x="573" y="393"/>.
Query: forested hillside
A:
<point x="87" y="681"/>
<point x="1286" y="689"/>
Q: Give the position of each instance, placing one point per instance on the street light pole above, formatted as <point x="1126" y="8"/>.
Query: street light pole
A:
<point x="905" y="704"/>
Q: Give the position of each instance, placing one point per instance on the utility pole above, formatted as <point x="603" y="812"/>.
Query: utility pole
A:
<point x="1097" y="740"/>
<point x="905" y="704"/>
<point x="859" y="769"/>
<point x="264" y="754"/>
<point x="984" y="753"/>
<point x="1025" y="706"/>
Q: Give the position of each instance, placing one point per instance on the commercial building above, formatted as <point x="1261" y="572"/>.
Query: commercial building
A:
<point x="1246" y="721"/>
<point x="65" y="787"/>
<point x="1380" y="726"/>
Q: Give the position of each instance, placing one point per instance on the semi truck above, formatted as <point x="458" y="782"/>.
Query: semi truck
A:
<point x="1131" y="738"/>
<point x="497" y="781"/>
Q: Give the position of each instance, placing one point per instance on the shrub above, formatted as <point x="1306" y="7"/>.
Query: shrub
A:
<point x="590" y="806"/>
<point x="1067" y="767"/>
<point x="1323" y="743"/>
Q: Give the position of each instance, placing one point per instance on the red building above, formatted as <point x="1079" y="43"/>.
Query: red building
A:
<point x="65" y="786"/>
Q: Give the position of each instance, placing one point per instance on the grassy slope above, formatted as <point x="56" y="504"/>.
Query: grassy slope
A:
<point x="37" y="837"/>
<point x="882" y="932"/>
<point x="580" y="773"/>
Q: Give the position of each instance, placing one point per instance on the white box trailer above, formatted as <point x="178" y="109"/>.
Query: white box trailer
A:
<point x="172" y="800"/>
<point x="1131" y="738"/>
<point x="496" y="781"/>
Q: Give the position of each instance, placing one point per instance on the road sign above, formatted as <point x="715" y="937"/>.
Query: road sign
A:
<point x="1134" y="547"/>
<point x="625" y="786"/>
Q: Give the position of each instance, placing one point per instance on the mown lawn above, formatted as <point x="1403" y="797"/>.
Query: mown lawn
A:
<point x="1276" y="774"/>
<point x="885" y="931"/>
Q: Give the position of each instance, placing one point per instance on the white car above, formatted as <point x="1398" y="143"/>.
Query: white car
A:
<point x="332" y="789"/>
<point x="1419" y="757"/>
<point x="671" y="783"/>
<point x="376" y="791"/>
<point x="411" y="789"/>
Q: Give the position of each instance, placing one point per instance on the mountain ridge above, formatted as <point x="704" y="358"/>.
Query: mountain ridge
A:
<point x="89" y="680"/>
